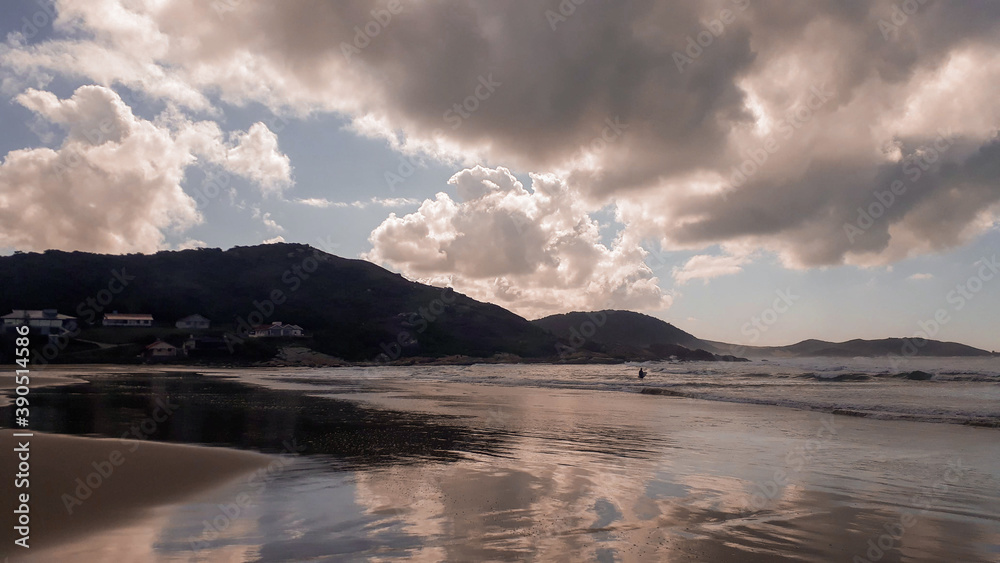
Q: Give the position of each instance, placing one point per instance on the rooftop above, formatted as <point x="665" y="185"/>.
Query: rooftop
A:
<point x="128" y="316"/>
<point x="36" y="314"/>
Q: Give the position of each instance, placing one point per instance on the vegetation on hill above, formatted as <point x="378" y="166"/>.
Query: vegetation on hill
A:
<point x="623" y="335"/>
<point x="351" y="309"/>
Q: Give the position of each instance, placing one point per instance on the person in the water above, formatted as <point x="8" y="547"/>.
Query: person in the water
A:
<point x="642" y="373"/>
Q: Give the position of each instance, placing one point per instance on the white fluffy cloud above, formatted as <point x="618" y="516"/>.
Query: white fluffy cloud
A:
<point x="115" y="182"/>
<point x="256" y="156"/>
<point x="535" y="251"/>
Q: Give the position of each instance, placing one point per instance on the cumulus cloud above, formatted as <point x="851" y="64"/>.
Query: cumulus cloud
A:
<point x="115" y="182"/>
<point x="783" y="133"/>
<point x="535" y="251"/>
<point x="256" y="156"/>
<point x="112" y="186"/>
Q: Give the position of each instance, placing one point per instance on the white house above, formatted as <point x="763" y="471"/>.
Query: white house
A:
<point x="275" y="330"/>
<point x="160" y="350"/>
<point x="127" y="319"/>
<point x="193" y="322"/>
<point x="44" y="321"/>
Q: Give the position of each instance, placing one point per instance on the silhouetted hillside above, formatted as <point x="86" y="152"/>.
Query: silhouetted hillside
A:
<point x="351" y="308"/>
<point x="624" y="331"/>
<point x="624" y="334"/>
<point x="619" y="327"/>
<point x="852" y="348"/>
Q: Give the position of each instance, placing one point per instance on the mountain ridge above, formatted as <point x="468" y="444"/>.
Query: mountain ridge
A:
<point x="621" y="327"/>
<point x="354" y="310"/>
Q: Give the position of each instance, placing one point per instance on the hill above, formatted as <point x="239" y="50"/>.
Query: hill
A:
<point x="352" y="309"/>
<point x="618" y="327"/>
<point x="853" y="348"/>
<point x="633" y="332"/>
<point x="624" y="334"/>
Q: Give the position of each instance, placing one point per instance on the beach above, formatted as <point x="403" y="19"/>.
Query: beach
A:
<point x="83" y="488"/>
<point x="360" y="465"/>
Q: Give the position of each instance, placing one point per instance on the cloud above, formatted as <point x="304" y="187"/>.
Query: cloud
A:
<point x="191" y="244"/>
<point x="320" y="202"/>
<point x="535" y="251"/>
<point x="265" y="218"/>
<point x="705" y="267"/>
<point x="780" y="134"/>
<point x="256" y="156"/>
<point x="374" y="201"/>
<point x="276" y="239"/>
<point x="921" y="277"/>
<point x="113" y="185"/>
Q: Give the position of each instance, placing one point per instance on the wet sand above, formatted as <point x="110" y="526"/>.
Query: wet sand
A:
<point x="37" y="379"/>
<point x="81" y="487"/>
<point x="420" y="471"/>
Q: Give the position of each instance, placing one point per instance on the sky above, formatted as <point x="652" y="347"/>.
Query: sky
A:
<point x="753" y="171"/>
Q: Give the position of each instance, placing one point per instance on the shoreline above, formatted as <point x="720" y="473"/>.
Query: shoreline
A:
<point x="69" y="374"/>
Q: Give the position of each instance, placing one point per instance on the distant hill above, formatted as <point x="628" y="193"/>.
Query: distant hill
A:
<point x="851" y="348"/>
<point x="625" y="334"/>
<point x="626" y="330"/>
<point x="618" y="327"/>
<point x="352" y="309"/>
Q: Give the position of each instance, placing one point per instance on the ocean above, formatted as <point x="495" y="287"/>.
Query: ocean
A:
<point x="793" y="460"/>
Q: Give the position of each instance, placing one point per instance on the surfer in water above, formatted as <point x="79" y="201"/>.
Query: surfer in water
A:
<point x="642" y="373"/>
